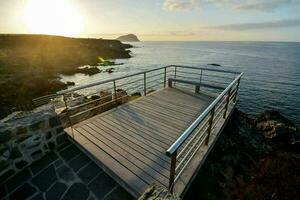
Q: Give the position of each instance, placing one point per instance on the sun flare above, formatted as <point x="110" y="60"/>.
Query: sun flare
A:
<point x="57" y="17"/>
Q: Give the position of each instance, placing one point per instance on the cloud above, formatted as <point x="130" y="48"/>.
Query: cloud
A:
<point x="262" y="25"/>
<point x="263" y="5"/>
<point x="180" y="5"/>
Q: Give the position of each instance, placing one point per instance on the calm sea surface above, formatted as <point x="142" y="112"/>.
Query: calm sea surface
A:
<point x="272" y="69"/>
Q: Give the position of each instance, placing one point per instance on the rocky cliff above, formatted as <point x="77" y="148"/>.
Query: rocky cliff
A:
<point x="253" y="159"/>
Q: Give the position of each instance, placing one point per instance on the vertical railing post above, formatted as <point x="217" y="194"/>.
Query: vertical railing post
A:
<point x="197" y="89"/>
<point x="175" y="75"/>
<point x="115" y="91"/>
<point x="211" y="120"/>
<point x="145" y="86"/>
<point x="237" y="90"/>
<point x="227" y="103"/>
<point x="68" y="114"/>
<point x="172" y="171"/>
<point x="200" y="79"/>
<point x="165" y="77"/>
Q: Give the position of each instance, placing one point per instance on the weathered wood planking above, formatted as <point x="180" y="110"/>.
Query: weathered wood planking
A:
<point x="130" y="141"/>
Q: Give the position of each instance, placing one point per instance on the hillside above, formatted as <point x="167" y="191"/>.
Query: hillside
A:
<point x="30" y="64"/>
<point x="128" y="38"/>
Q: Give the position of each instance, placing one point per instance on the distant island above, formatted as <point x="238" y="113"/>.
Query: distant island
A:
<point x="30" y="65"/>
<point x="128" y="38"/>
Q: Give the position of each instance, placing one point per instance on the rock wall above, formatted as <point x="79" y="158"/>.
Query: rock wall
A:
<point x="26" y="137"/>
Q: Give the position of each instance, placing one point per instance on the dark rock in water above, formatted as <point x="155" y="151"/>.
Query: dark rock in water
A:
<point x="89" y="70"/>
<point x="128" y="38"/>
<point x="245" y="164"/>
<point x="110" y="70"/>
<point x="214" y="64"/>
<point x="70" y="83"/>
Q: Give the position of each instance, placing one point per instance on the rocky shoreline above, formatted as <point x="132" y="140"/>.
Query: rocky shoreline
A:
<point x="254" y="158"/>
<point x="30" y="65"/>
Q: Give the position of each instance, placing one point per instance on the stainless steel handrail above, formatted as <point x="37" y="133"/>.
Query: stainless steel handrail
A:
<point x="140" y="73"/>
<point x="175" y="146"/>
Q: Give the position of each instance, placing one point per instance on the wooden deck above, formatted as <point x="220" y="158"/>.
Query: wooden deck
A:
<point x="130" y="141"/>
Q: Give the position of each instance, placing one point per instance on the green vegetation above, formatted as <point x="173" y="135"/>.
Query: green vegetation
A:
<point x="30" y="64"/>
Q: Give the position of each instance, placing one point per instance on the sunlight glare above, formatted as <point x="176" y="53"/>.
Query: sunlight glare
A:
<point x="56" y="17"/>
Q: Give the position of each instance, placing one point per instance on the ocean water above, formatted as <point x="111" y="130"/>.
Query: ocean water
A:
<point x="271" y="69"/>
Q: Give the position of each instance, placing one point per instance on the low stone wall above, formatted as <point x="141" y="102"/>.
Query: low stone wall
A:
<point x="26" y="137"/>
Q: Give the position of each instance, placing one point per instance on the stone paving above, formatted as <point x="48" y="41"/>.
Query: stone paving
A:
<point x="65" y="173"/>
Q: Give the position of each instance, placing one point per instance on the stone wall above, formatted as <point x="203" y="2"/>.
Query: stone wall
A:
<point x="26" y="137"/>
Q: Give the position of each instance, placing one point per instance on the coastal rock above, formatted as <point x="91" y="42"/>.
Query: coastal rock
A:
<point x="276" y="128"/>
<point x="70" y="83"/>
<point x="214" y="64"/>
<point x="128" y="38"/>
<point x="110" y="70"/>
<point x="245" y="164"/>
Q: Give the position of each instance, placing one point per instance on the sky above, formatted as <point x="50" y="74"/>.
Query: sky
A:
<point x="158" y="20"/>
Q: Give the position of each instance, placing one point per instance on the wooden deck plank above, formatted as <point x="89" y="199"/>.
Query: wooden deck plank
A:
<point x="134" y="137"/>
<point x="149" y="122"/>
<point x="144" y="169"/>
<point x="120" y="173"/>
<point x="155" y="132"/>
<point x="121" y="158"/>
<point x="144" y="153"/>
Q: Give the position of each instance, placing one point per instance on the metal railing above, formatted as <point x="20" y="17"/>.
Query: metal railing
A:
<point x="198" y="133"/>
<point x="84" y="101"/>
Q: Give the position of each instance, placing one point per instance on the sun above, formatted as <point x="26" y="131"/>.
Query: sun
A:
<point x="56" y="17"/>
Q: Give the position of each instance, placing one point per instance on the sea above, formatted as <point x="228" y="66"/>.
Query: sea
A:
<point x="271" y="69"/>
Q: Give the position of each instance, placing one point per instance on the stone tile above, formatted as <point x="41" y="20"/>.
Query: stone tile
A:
<point x="58" y="163"/>
<point x="78" y="162"/>
<point x="65" y="145"/>
<point x="77" y="191"/>
<point x="65" y="173"/>
<point x="18" y="180"/>
<point x="43" y="162"/>
<point x="23" y="192"/>
<point x="45" y="179"/>
<point x="70" y="152"/>
<point x="89" y="172"/>
<point x="6" y="175"/>
<point x="39" y="196"/>
<point x="61" y="139"/>
<point x="119" y="193"/>
<point x="101" y="185"/>
<point x="56" y="191"/>
<point x="2" y="191"/>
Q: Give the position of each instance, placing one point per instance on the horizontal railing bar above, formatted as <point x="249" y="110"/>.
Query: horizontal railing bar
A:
<point x="189" y="160"/>
<point x="202" y="81"/>
<point x="207" y="75"/>
<point x="108" y="80"/>
<point x="112" y="101"/>
<point x="207" y="69"/>
<point x="191" y="149"/>
<point x="89" y="102"/>
<point x="203" y="126"/>
<point x="196" y="83"/>
<point x="139" y="73"/>
<point x="195" y="124"/>
<point x="140" y="79"/>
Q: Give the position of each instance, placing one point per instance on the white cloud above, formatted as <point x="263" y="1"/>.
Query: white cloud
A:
<point x="180" y="5"/>
<point x="247" y="5"/>
<point x="259" y="25"/>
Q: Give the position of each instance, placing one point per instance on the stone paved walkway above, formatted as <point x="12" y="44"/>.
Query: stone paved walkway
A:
<point x="66" y="174"/>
